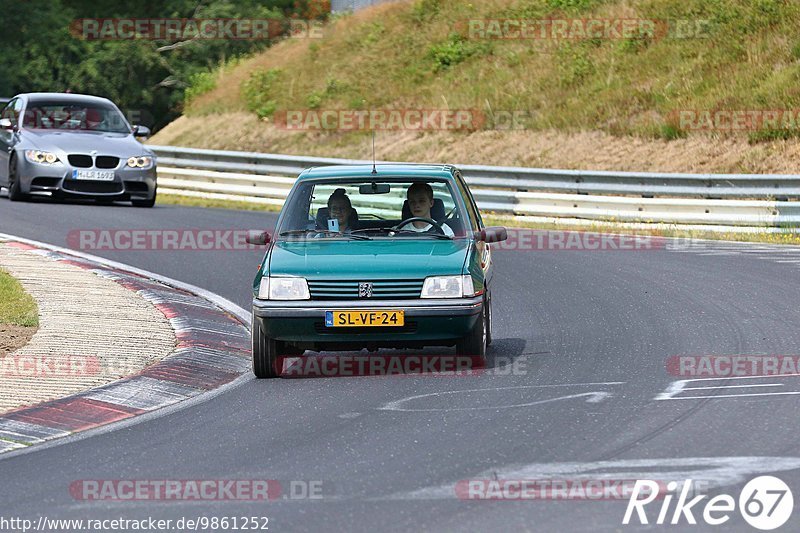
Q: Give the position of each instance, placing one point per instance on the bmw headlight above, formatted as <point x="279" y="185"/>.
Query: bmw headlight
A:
<point x="272" y="288"/>
<point x="144" y="161"/>
<point x="448" y="287"/>
<point x="40" y="157"/>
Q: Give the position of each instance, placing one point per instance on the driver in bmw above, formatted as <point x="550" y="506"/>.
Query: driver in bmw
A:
<point x="420" y="202"/>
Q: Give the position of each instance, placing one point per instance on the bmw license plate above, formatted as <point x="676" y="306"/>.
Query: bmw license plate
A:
<point x="344" y="319"/>
<point x="95" y="175"/>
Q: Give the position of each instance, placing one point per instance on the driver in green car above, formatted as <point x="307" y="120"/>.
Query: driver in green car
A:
<point x="420" y="202"/>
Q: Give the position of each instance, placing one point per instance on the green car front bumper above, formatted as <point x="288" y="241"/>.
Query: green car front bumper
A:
<point x="427" y="322"/>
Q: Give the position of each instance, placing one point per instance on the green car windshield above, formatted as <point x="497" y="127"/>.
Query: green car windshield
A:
<point x="361" y="208"/>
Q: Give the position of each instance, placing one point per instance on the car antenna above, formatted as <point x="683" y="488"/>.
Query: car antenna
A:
<point x="374" y="168"/>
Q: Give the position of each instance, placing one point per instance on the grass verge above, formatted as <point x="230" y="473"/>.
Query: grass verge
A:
<point x="788" y="238"/>
<point x="191" y="201"/>
<point x="16" y="306"/>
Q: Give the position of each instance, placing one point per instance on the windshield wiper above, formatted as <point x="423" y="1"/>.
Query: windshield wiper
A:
<point x="325" y="231"/>
<point x="384" y="230"/>
<point x="421" y="233"/>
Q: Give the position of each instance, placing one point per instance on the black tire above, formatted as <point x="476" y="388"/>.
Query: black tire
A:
<point x="489" y="319"/>
<point x="14" y="192"/>
<point x="146" y="203"/>
<point x="473" y="344"/>
<point x="265" y="354"/>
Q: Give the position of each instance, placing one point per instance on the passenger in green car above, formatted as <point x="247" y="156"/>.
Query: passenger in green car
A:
<point x="340" y="208"/>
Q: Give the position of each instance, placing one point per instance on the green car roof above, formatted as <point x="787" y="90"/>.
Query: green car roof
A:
<point x="384" y="171"/>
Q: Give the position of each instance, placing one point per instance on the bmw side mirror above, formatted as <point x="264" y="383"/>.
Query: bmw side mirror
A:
<point x="492" y="234"/>
<point x="5" y="124"/>
<point x="258" y="238"/>
<point x="141" y="131"/>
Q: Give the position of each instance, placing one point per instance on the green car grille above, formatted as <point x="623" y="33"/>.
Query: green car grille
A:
<point x="349" y="290"/>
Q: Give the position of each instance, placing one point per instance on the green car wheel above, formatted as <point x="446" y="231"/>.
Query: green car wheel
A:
<point x="265" y="354"/>
<point x="473" y="344"/>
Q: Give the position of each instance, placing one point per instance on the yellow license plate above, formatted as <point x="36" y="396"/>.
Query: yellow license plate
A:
<point x="344" y="319"/>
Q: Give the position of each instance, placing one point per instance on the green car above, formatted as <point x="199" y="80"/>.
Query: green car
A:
<point x="386" y="256"/>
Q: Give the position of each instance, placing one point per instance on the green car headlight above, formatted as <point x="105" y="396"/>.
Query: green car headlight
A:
<point x="448" y="287"/>
<point x="283" y="289"/>
<point x="43" y="158"/>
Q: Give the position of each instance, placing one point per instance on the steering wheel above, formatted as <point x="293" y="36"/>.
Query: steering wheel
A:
<point x="422" y="219"/>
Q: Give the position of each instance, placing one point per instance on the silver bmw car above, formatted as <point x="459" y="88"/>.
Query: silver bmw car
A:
<point x="74" y="145"/>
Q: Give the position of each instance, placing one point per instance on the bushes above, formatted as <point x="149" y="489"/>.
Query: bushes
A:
<point x="454" y="50"/>
<point x="257" y="91"/>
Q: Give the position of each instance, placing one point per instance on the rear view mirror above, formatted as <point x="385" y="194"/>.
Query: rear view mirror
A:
<point x="5" y="124"/>
<point x="492" y="234"/>
<point x="257" y="237"/>
<point x="374" y="188"/>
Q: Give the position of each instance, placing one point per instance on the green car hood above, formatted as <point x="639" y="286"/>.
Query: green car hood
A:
<point x="377" y="259"/>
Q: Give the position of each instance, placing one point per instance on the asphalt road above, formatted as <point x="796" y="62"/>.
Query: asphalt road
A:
<point x="582" y="340"/>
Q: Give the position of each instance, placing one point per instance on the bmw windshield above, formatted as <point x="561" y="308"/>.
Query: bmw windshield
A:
<point x="74" y="116"/>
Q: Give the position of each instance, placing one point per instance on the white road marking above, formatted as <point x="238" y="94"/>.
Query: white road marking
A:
<point x="744" y="395"/>
<point x="736" y="386"/>
<point x="677" y="387"/>
<point x="592" y="397"/>
<point x="714" y="472"/>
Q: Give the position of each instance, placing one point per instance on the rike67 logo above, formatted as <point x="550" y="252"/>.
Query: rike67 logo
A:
<point x="765" y="503"/>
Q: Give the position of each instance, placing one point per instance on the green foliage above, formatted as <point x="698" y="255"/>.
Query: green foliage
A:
<point x="635" y="43"/>
<point x="425" y="10"/>
<point x="372" y="33"/>
<point x="573" y="5"/>
<point x="257" y="91"/>
<point x="314" y="100"/>
<point x="575" y="62"/>
<point x="770" y="135"/>
<point x="151" y="78"/>
<point x="200" y="83"/>
<point x="671" y="132"/>
<point x="454" y="50"/>
<point x="16" y="306"/>
<point x="706" y="55"/>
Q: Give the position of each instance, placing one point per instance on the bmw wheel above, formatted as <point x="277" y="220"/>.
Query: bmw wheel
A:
<point x="146" y="203"/>
<point x="14" y="192"/>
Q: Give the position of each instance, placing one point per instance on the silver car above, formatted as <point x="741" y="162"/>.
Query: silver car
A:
<point x="74" y="145"/>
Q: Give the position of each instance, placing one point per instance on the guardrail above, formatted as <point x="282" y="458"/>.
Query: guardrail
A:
<point x="644" y="197"/>
<point x="339" y="6"/>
